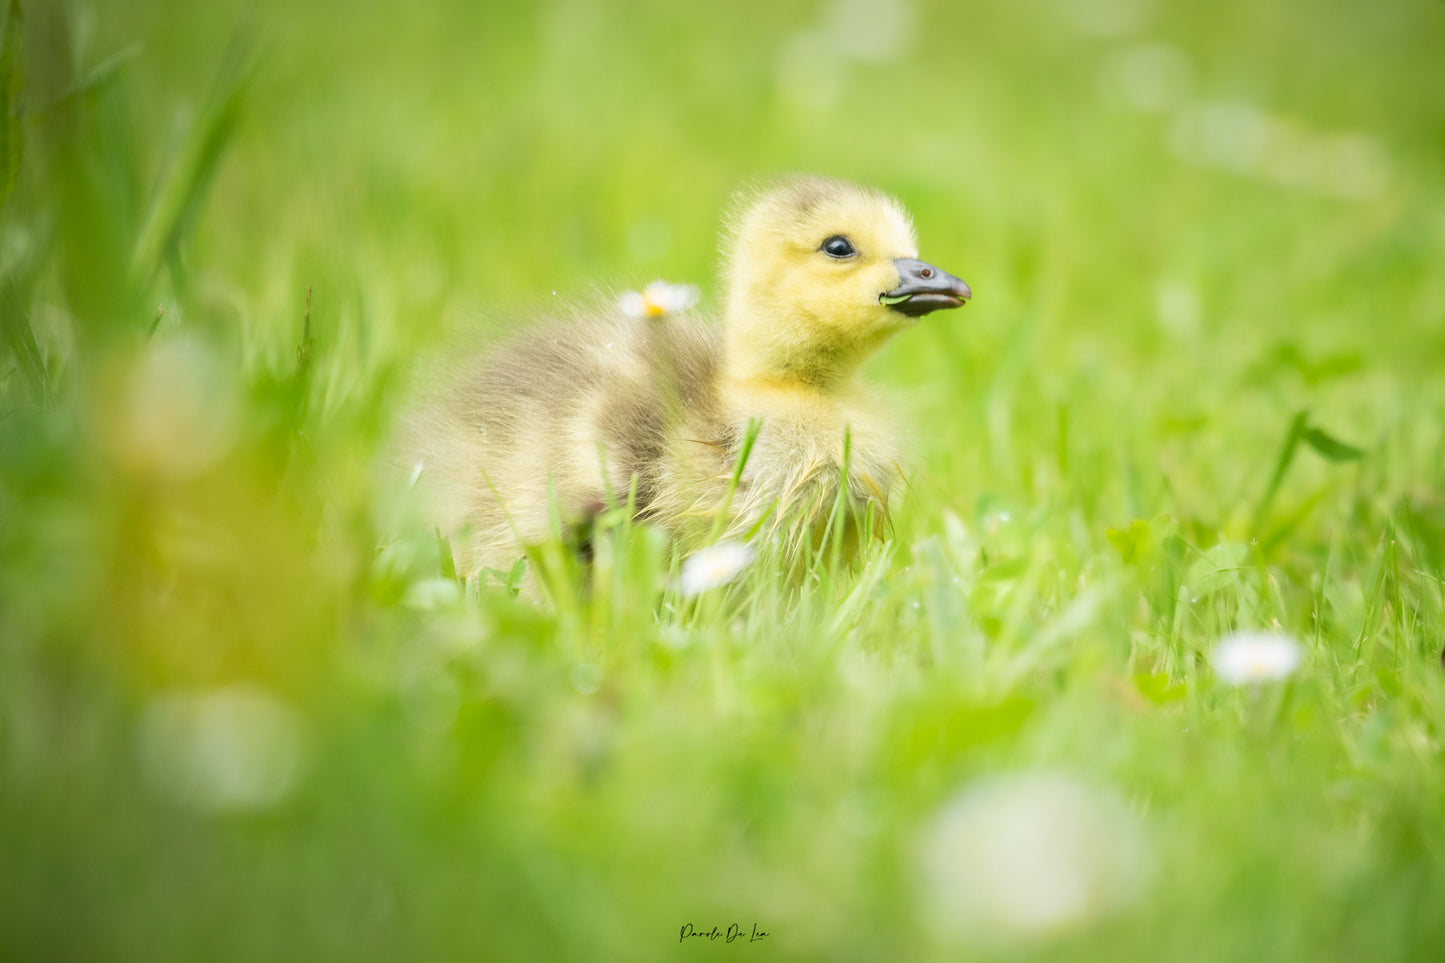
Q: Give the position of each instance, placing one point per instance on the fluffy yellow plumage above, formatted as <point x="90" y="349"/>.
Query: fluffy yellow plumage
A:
<point x="818" y="273"/>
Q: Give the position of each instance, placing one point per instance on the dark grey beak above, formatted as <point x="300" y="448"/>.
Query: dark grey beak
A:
<point x="924" y="288"/>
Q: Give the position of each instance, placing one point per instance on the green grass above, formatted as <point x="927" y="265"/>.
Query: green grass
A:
<point x="245" y="716"/>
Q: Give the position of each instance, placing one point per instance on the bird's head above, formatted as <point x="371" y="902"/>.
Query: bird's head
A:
<point x="819" y="274"/>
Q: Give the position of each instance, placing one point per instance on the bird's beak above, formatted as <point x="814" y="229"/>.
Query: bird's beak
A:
<point x="923" y="288"/>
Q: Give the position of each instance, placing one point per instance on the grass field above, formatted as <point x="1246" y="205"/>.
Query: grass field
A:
<point x="1199" y="392"/>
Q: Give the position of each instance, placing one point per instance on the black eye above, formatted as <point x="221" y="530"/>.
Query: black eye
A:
<point x="839" y="247"/>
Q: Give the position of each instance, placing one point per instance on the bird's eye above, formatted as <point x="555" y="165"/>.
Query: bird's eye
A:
<point x="839" y="247"/>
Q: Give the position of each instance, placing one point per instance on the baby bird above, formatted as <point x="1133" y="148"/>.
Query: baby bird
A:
<point x="599" y="408"/>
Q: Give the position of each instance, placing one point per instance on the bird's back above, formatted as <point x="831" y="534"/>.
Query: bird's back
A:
<point x="567" y="414"/>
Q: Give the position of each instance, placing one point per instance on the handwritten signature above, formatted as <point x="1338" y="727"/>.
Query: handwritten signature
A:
<point x="729" y="935"/>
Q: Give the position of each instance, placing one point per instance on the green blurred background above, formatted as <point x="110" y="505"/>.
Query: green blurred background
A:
<point x="240" y="717"/>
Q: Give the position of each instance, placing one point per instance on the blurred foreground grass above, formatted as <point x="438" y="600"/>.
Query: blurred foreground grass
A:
<point x="242" y="718"/>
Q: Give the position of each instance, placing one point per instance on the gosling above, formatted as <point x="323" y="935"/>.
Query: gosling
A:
<point x="654" y="412"/>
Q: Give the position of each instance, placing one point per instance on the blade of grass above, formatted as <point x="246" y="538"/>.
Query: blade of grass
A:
<point x="444" y="555"/>
<point x="94" y="79"/>
<point x="12" y="124"/>
<point x="840" y="514"/>
<point x="1329" y="447"/>
<point x="1292" y="438"/>
<point x="176" y="204"/>
<point x="17" y="286"/>
<point x="21" y="339"/>
<point x="750" y="437"/>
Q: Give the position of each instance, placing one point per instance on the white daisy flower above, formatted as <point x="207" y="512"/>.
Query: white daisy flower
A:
<point x="1250" y="657"/>
<point x="657" y="299"/>
<point x="1030" y="855"/>
<point x="235" y="748"/>
<point x="712" y="567"/>
<point x="175" y="413"/>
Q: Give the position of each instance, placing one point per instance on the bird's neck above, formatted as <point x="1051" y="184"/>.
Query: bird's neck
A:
<point x="782" y="353"/>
